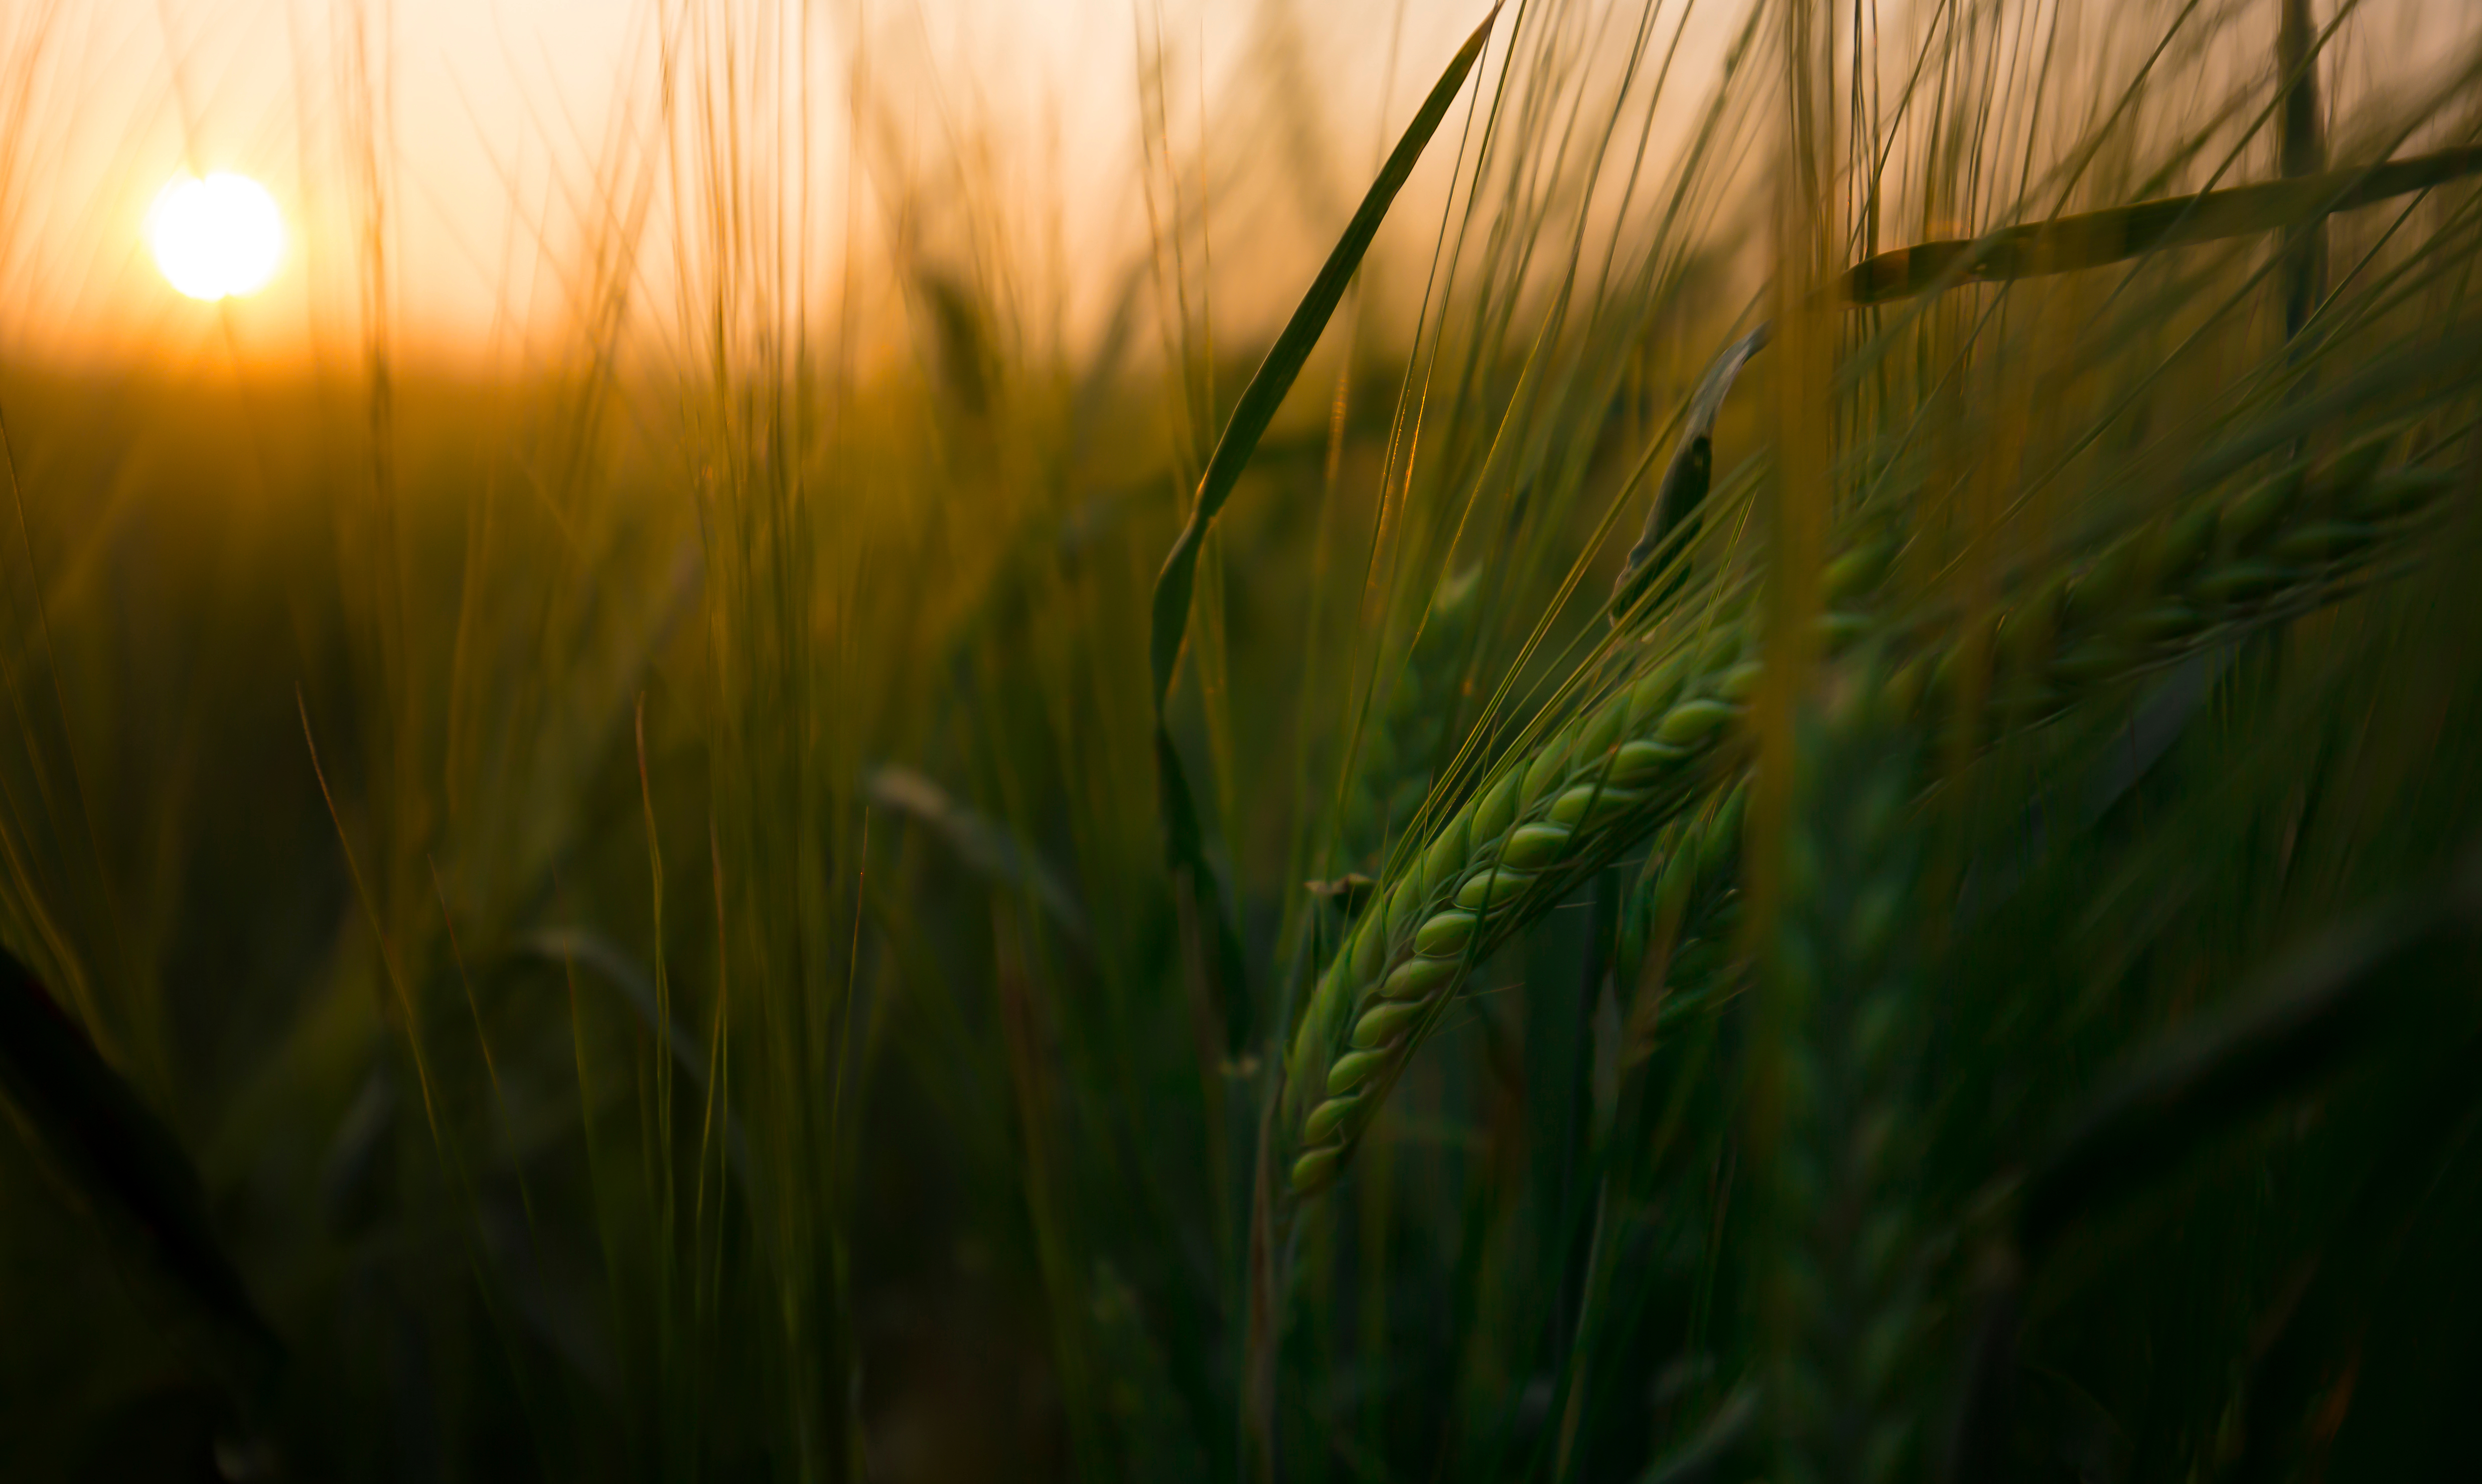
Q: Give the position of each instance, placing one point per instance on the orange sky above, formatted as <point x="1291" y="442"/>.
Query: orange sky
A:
<point x="500" y="109"/>
<point x="138" y="91"/>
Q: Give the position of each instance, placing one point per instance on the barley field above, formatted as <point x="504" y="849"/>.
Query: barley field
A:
<point x="1577" y="740"/>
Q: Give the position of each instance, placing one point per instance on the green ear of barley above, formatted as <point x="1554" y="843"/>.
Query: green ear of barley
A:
<point x="1678" y="925"/>
<point x="1399" y="754"/>
<point x="1842" y="1017"/>
<point x="1648" y="750"/>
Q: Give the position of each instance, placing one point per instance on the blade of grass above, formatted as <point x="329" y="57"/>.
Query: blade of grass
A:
<point x="2096" y="239"/>
<point x="2304" y="153"/>
<point x="1168" y="620"/>
<point x="981" y="843"/>
<point x="569" y="947"/>
<point x="1689" y="473"/>
<point x="116" y="1155"/>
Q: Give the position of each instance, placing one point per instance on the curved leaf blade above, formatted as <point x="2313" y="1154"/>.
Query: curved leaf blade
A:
<point x="1168" y="627"/>
<point x="1274" y="378"/>
<point x="118" y="1156"/>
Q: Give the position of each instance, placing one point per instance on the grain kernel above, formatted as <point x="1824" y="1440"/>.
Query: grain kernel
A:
<point x="1379" y="1023"/>
<point x="1692" y="721"/>
<point x="1352" y="1070"/>
<point x="1601" y="800"/>
<point x="1417" y="977"/>
<point x="1324" y="1118"/>
<point x="1490" y="889"/>
<point x="1640" y="760"/>
<point x="1445" y="934"/>
<point x="1533" y="847"/>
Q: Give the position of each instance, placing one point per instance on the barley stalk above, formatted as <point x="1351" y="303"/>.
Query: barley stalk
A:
<point x="1645" y="754"/>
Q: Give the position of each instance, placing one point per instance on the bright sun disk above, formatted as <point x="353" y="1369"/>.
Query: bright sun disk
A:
<point x="216" y="237"/>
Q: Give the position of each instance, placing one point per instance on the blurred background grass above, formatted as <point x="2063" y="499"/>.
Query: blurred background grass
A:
<point x="630" y="863"/>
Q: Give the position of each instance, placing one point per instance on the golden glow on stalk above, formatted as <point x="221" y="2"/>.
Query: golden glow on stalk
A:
<point x="216" y="237"/>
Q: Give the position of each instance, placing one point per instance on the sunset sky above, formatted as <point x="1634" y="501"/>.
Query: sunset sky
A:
<point x="500" y="109"/>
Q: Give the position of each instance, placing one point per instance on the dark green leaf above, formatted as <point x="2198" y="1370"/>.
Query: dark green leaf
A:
<point x="118" y="1157"/>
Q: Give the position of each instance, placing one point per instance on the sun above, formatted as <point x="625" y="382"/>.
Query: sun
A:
<point x="216" y="237"/>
